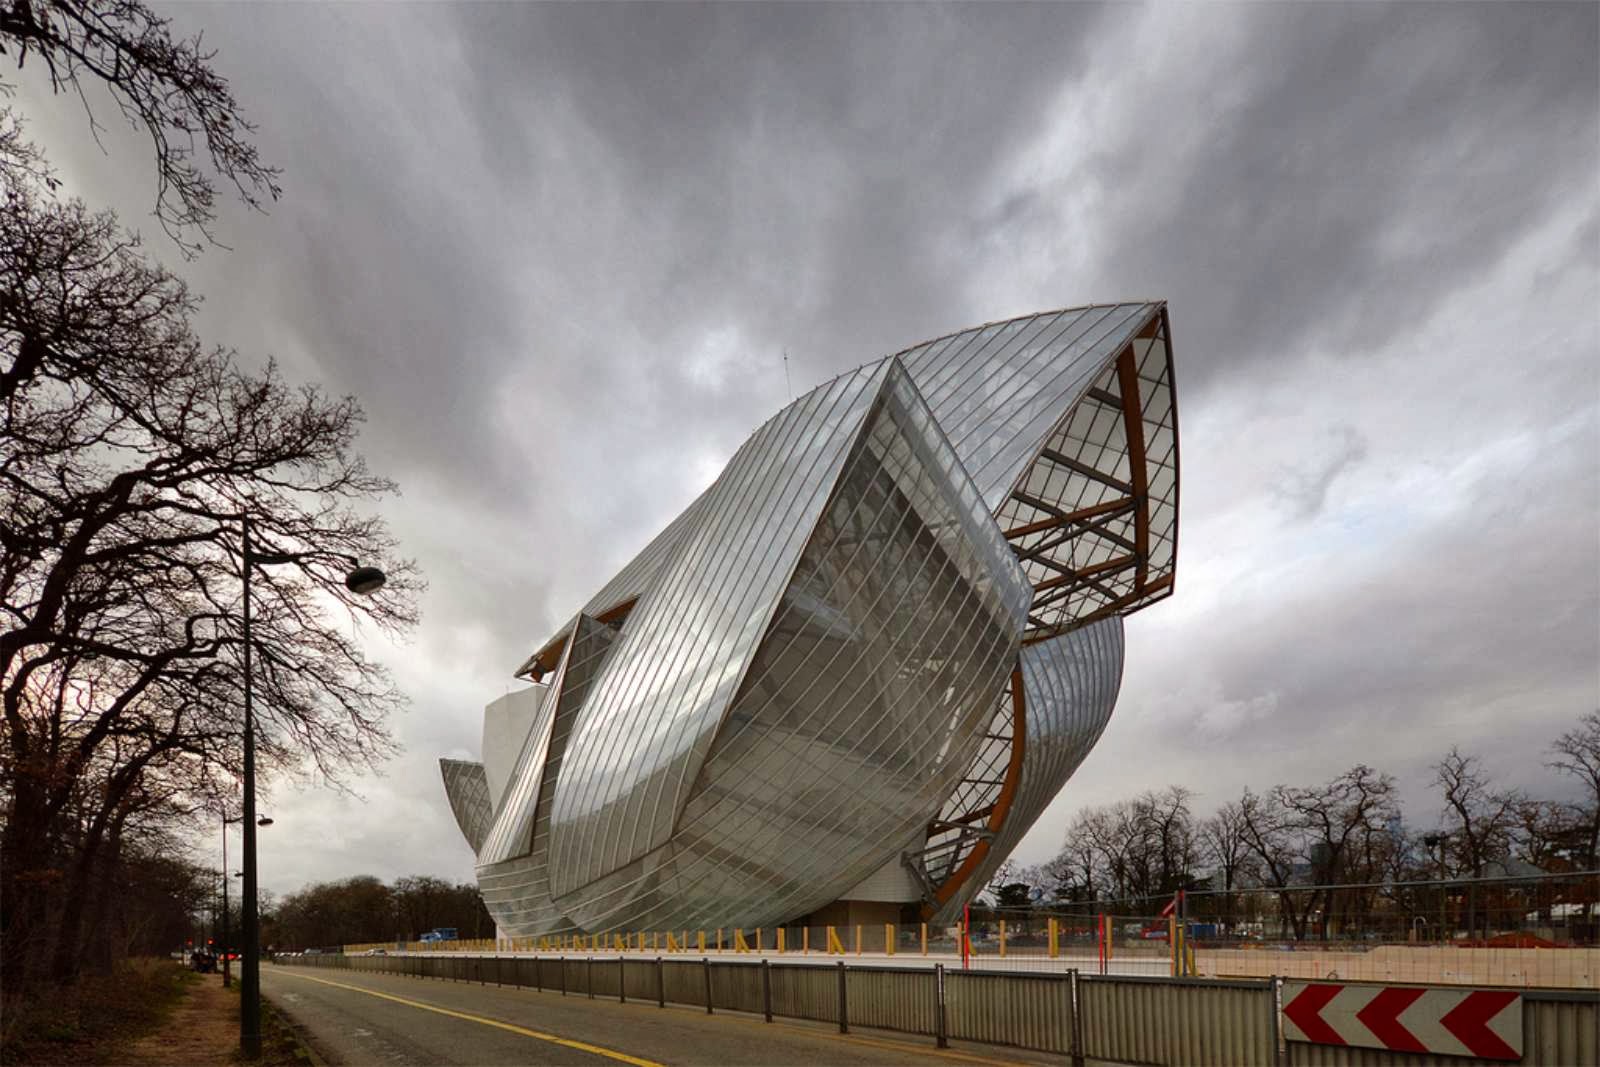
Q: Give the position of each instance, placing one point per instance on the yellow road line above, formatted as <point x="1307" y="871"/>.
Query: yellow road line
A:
<point x="887" y="1044"/>
<point x="581" y="1046"/>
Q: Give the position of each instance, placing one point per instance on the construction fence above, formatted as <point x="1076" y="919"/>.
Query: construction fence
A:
<point x="1104" y="945"/>
<point x="1165" y="1022"/>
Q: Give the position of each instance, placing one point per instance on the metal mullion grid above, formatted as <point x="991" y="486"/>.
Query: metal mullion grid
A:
<point x="972" y="514"/>
<point x="1092" y="543"/>
<point x="852" y="464"/>
<point x="1049" y="435"/>
<point x="468" y="795"/>
<point x="1059" y="387"/>
<point x="987" y="761"/>
<point x="556" y="698"/>
<point x="842" y="570"/>
<point x="1166" y="462"/>
<point x="999" y="666"/>
<point x="1065" y="742"/>
<point x="964" y="400"/>
<point x="601" y="641"/>
<point x="958" y="391"/>
<point x="951" y="361"/>
<point x="817" y="737"/>
<point x="953" y="619"/>
<point x="812" y="422"/>
<point x="842" y="575"/>
<point x="950" y="851"/>
<point x="635" y="577"/>
<point x="535" y="742"/>
<point x="995" y="750"/>
<point x="633" y="695"/>
<point x="537" y="871"/>
<point x="825" y="432"/>
<point x="1045" y="394"/>
<point x="753" y="477"/>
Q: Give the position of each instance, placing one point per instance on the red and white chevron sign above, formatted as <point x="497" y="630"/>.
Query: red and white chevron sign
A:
<point x="1486" y="1023"/>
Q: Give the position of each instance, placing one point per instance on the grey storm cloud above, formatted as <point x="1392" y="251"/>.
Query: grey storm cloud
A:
<point x="560" y="251"/>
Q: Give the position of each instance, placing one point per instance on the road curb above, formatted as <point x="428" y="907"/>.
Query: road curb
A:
<point x="302" y="1038"/>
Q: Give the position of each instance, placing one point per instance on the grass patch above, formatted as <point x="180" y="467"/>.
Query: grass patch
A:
<point x="89" y="1021"/>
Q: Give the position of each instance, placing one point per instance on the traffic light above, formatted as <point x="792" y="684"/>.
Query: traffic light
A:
<point x="209" y="941"/>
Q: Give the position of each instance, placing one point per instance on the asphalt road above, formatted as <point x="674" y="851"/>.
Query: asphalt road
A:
<point x="381" y="1019"/>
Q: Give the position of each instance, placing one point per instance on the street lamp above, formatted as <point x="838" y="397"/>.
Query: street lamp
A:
<point x="363" y="581"/>
<point x="227" y="967"/>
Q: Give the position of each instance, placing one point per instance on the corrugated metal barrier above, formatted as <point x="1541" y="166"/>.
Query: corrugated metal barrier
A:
<point x="1010" y="1008"/>
<point x="1206" y="1023"/>
<point x="891" y="998"/>
<point x="1168" y="1022"/>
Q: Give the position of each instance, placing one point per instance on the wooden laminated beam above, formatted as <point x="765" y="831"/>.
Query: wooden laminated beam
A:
<point x="1133" y="426"/>
<point x="1068" y="518"/>
<point x="1151" y="591"/>
<point x="1002" y="802"/>
<point x="544" y="661"/>
<point x="1115" y="563"/>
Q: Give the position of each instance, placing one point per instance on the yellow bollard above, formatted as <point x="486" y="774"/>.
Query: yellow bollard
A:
<point x="888" y="938"/>
<point x="672" y="942"/>
<point x="719" y="939"/>
<point x="834" y="944"/>
<point x="758" y="939"/>
<point x="858" y="939"/>
<point x="1002" y="939"/>
<point x="700" y="939"/>
<point x="780" y="940"/>
<point x="924" y="939"/>
<point x="1055" y="942"/>
<point x="805" y="940"/>
<point x="739" y="943"/>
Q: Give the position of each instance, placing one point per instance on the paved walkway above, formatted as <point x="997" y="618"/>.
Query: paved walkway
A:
<point x="381" y="1019"/>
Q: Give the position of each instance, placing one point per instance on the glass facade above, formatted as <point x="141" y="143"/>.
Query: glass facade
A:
<point x="890" y="630"/>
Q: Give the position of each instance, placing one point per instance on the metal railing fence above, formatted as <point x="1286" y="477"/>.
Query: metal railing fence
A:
<point x="1167" y="1022"/>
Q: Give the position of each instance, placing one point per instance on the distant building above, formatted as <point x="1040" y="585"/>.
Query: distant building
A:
<point x="847" y="679"/>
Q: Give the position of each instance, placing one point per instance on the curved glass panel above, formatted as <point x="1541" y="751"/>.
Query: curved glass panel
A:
<point x="1070" y="685"/>
<point x="689" y="639"/>
<point x="468" y="792"/>
<point x="783" y="690"/>
<point x="863" y="704"/>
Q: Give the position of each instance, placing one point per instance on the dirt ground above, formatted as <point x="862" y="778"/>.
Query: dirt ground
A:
<point x="203" y="1030"/>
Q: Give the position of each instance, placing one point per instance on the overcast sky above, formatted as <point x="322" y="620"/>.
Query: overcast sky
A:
<point x="559" y="251"/>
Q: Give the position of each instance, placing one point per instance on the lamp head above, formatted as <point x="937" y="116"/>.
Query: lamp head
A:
<point x="364" y="580"/>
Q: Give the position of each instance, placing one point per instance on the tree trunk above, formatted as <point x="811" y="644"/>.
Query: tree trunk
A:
<point x="28" y="878"/>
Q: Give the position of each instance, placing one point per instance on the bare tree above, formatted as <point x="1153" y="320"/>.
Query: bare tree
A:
<point x="1577" y="753"/>
<point x="130" y="456"/>
<point x="1478" y="818"/>
<point x="1224" y="846"/>
<point x="165" y="85"/>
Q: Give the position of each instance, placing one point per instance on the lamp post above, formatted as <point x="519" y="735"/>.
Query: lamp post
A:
<point x="361" y="580"/>
<point x="227" y="966"/>
<point x="1430" y="841"/>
